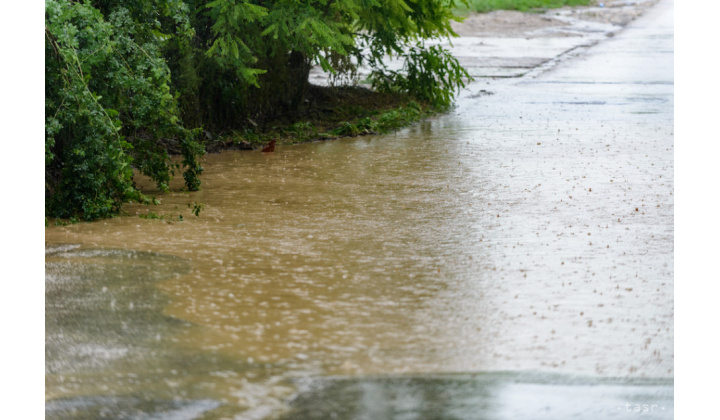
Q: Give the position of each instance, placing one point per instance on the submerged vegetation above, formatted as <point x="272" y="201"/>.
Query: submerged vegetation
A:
<point x="195" y="209"/>
<point x="128" y="84"/>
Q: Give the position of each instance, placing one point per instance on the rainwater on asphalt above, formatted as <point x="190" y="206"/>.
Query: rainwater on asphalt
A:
<point x="510" y="260"/>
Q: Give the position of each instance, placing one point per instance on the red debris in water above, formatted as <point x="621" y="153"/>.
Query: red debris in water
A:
<point x="270" y="147"/>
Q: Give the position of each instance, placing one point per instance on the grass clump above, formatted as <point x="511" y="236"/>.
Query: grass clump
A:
<point x="484" y="6"/>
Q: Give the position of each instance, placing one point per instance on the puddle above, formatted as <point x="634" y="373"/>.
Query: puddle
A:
<point x="495" y="396"/>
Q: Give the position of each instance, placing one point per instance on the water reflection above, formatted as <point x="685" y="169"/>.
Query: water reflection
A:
<point x="497" y="396"/>
<point x="111" y="352"/>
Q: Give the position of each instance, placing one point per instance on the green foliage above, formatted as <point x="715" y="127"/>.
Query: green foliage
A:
<point x="191" y="152"/>
<point x="196" y="208"/>
<point x="346" y="129"/>
<point x="108" y="107"/>
<point x="483" y="6"/>
<point x="124" y="78"/>
<point x="301" y="131"/>
<point x="430" y="73"/>
<point x="251" y="59"/>
<point x="398" y="118"/>
<point x="151" y="215"/>
<point x="385" y="122"/>
<point x="82" y="136"/>
<point x="167" y="218"/>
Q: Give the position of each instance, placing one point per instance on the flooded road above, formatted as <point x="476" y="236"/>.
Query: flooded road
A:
<point x="496" y="262"/>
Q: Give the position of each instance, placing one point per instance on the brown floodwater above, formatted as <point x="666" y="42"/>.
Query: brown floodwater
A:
<point x="519" y="233"/>
<point x="405" y="253"/>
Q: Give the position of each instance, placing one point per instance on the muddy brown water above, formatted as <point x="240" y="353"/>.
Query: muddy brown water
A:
<point x="521" y="237"/>
<point x="409" y="253"/>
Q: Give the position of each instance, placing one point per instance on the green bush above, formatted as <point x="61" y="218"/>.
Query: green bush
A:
<point x="108" y="107"/>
